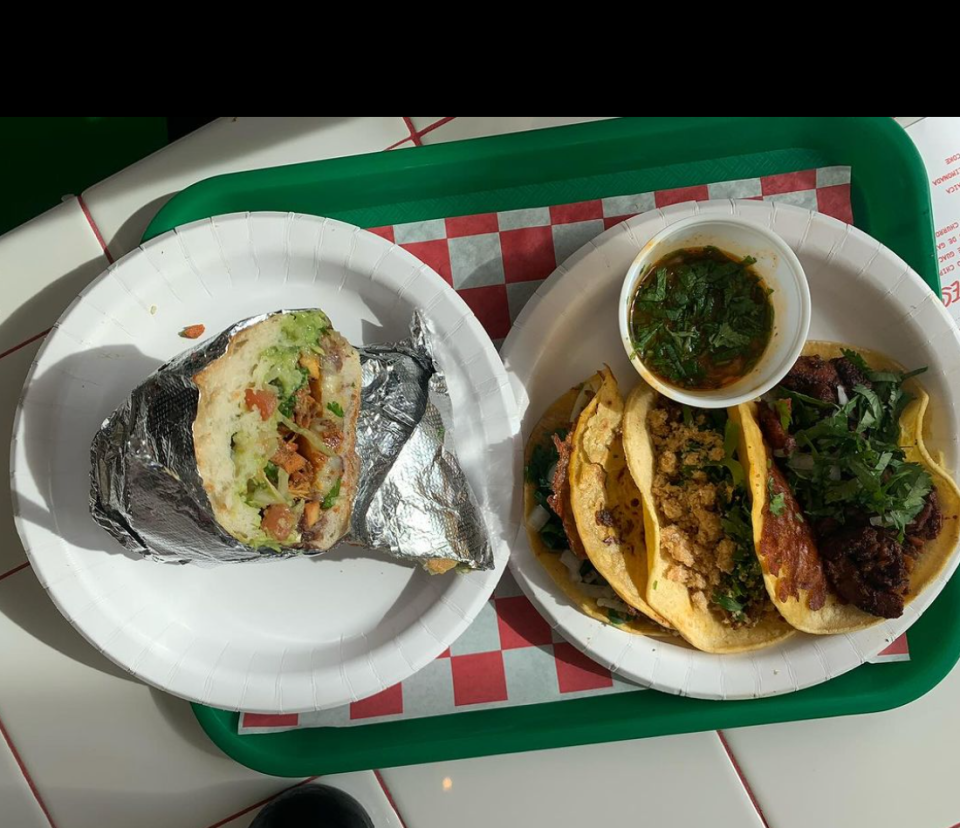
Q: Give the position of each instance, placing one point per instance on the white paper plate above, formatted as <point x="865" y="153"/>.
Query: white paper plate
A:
<point x="292" y="635"/>
<point x="863" y="294"/>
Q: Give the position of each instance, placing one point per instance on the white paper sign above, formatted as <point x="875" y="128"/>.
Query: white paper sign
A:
<point x="938" y="140"/>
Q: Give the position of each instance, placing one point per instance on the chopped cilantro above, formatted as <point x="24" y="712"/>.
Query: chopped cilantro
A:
<point x="727" y="337"/>
<point x="783" y="409"/>
<point x="538" y="472"/>
<point x="542" y="460"/>
<point x="272" y="473"/>
<point x="741" y="591"/>
<point x="731" y="439"/>
<point x="777" y="504"/>
<point x="856" y="359"/>
<point x="332" y="495"/>
<point x="729" y="603"/>
<point x="849" y="459"/>
<point x="659" y="292"/>
<point x="336" y="408"/>
<point x="615" y="617"/>
<point x="288" y="396"/>
<point x="553" y="534"/>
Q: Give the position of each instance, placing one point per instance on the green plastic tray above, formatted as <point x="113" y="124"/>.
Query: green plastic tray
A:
<point x="890" y="201"/>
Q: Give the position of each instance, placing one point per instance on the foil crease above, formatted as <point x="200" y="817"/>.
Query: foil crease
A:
<point x="413" y="500"/>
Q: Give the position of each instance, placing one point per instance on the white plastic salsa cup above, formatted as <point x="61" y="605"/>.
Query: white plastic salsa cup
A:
<point x="780" y="270"/>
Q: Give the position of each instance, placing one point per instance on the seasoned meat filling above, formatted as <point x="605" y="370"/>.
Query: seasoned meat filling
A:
<point x="867" y="567"/>
<point x="872" y="511"/>
<point x="777" y="436"/>
<point x="704" y="517"/>
<point x="926" y="525"/>
<point x="815" y="377"/>
<point x="850" y="375"/>
<point x="559" y="501"/>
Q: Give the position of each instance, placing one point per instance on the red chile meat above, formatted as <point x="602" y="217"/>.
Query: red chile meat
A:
<point x="559" y="501"/>
<point x="850" y="375"/>
<point x="926" y="525"/>
<point x="818" y="378"/>
<point x="813" y="376"/>
<point x="777" y="436"/>
<point x="866" y="566"/>
<point x="564" y="450"/>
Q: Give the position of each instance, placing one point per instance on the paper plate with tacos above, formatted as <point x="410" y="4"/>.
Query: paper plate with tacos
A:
<point x="753" y="550"/>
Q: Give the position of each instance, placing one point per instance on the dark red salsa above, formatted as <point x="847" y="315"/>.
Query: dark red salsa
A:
<point x="701" y="318"/>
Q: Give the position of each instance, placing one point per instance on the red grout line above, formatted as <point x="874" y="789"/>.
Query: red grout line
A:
<point x="260" y="804"/>
<point x="26" y="775"/>
<point x="25" y="342"/>
<point x="399" y="143"/>
<point x="106" y="253"/>
<point x="415" y="137"/>
<point x="389" y="796"/>
<point x="93" y="226"/>
<point x="743" y="779"/>
<point x="413" y="132"/>
<point x="433" y="126"/>
<point x="15" y="570"/>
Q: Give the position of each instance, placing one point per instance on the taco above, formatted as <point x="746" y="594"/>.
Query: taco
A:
<point x="576" y="440"/>
<point x="703" y="573"/>
<point x="838" y="460"/>
<point x="274" y="435"/>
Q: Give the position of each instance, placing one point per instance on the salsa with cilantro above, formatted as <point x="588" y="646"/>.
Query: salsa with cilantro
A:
<point x="701" y="318"/>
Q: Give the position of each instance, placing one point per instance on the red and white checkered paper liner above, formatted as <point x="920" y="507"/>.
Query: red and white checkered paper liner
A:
<point x="509" y="655"/>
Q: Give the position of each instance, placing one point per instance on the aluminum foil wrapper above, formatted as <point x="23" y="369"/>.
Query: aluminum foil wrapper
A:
<point x="413" y="500"/>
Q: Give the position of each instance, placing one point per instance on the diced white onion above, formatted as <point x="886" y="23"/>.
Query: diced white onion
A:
<point x="593" y="577"/>
<point x="551" y="472"/>
<point x="834" y="472"/>
<point x="876" y="520"/>
<point x="842" y="395"/>
<point x="803" y="462"/>
<point x="572" y="563"/>
<point x="614" y="604"/>
<point x="538" y="518"/>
